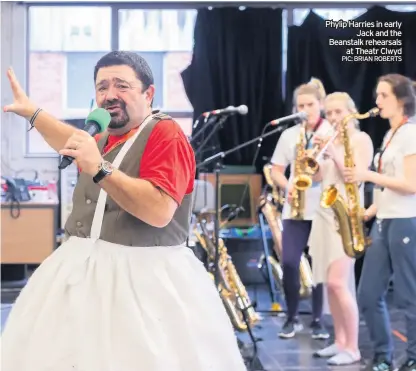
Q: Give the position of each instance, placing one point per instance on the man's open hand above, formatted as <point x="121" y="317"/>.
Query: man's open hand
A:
<point x="21" y="105"/>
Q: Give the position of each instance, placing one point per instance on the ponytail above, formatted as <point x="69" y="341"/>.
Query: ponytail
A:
<point x="317" y="84"/>
<point x="313" y="87"/>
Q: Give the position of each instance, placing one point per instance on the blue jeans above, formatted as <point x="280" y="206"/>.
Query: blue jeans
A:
<point x="392" y="254"/>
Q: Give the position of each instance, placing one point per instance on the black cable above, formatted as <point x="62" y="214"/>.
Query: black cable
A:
<point x="256" y="155"/>
<point x="197" y="157"/>
<point x="208" y="121"/>
<point x="217" y="126"/>
<point x="199" y="152"/>
<point x="14" y="208"/>
<point x="252" y="337"/>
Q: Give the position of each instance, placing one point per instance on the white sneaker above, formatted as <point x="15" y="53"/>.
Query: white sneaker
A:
<point x="329" y="351"/>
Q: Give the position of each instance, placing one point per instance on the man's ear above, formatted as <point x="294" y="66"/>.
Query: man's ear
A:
<point x="150" y="94"/>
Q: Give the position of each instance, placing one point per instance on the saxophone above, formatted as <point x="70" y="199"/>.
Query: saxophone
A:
<point x="301" y="181"/>
<point x="278" y="198"/>
<point x="268" y="205"/>
<point x="231" y="289"/>
<point x="310" y="163"/>
<point x="270" y="212"/>
<point x="348" y="212"/>
<point x="240" y="297"/>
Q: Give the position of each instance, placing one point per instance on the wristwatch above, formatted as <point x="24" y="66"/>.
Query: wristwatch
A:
<point x="104" y="169"/>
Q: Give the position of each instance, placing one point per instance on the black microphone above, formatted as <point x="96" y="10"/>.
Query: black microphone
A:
<point x="96" y="122"/>
<point x="296" y="116"/>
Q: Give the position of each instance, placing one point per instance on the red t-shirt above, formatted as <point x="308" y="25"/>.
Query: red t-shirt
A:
<point x="168" y="161"/>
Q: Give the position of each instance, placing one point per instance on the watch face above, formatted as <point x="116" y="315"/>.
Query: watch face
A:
<point x="107" y="167"/>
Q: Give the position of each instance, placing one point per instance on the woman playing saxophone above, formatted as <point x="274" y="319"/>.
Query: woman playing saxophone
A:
<point x="393" y="235"/>
<point x="331" y="265"/>
<point x="308" y="98"/>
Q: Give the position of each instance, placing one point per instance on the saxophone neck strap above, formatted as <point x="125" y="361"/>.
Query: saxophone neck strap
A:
<point x="309" y="137"/>
<point x="380" y="158"/>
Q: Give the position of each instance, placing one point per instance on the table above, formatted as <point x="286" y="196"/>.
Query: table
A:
<point x="31" y="237"/>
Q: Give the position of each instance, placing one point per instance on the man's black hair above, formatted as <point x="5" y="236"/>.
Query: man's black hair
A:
<point x="131" y="59"/>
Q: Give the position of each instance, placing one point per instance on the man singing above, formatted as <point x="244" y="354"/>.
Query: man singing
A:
<point x="123" y="293"/>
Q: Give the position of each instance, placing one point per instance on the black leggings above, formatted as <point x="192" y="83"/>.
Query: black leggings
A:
<point x="294" y="240"/>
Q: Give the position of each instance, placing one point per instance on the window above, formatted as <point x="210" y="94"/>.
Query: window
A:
<point x="166" y="36"/>
<point x="402" y="8"/>
<point x="66" y="42"/>
<point x="299" y="16"/>
<point x="64" y="45"/>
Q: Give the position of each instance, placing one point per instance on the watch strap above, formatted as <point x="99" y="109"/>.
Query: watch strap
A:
<point x="104" y="170"/>
<point x="100" y="176"/>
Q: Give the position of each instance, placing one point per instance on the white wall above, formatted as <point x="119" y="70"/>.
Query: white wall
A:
<point x="13" y="128"/>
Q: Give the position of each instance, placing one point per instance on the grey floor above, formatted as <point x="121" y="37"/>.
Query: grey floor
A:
<point x="277" y="354"/>
<point x="282" y="355"/>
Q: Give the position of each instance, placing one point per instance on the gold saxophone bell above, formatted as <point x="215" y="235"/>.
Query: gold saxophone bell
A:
<point x="310" y="165"/>
<point x="302" y="182"/>
<point x="348" y="211"/>
<point x="329" y="196"/>
<point x="310" y="162"/>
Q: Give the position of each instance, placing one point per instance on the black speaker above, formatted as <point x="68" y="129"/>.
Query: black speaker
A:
<point x="245" y="253"/>
<point x="232" y="188"/>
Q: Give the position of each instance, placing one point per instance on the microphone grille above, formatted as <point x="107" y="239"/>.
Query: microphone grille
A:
<point x="303" y="115"/>
<point x="242" y="110"/>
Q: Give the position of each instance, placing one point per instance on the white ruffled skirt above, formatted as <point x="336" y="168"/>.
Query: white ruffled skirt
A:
<point x="104" y="307"/>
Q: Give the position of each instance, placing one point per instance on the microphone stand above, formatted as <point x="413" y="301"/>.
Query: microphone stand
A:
<point x="224" y="154"/>
<point x="199" y="156"/>
<point x="217" y="126"/>
<point x="210" y="122"/>
<point x="270" y="281"/>
<point x="217" y="168"/>
<point x="218" y="157"/>
<point x="199" y="146"/>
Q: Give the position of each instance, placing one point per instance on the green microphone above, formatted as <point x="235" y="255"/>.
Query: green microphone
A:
<point x="96" y="122"/>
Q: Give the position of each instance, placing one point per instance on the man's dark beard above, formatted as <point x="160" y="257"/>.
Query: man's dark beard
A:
<point x="118" y="119"/>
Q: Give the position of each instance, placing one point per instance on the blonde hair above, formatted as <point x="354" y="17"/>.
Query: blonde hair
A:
<point x="313" y="87"/>
<point x="348" y="102"/>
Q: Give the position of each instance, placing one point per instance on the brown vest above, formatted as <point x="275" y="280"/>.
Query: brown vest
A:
<point x="119" y="226"/>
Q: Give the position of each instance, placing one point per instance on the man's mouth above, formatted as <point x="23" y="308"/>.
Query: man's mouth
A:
<point x="113" y="108"/>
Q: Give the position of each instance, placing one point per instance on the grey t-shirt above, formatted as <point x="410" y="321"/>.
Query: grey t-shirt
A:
<point x="392" y="204"/>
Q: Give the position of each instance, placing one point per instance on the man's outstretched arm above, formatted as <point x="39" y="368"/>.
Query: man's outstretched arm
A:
<point x="55" y="132"/>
